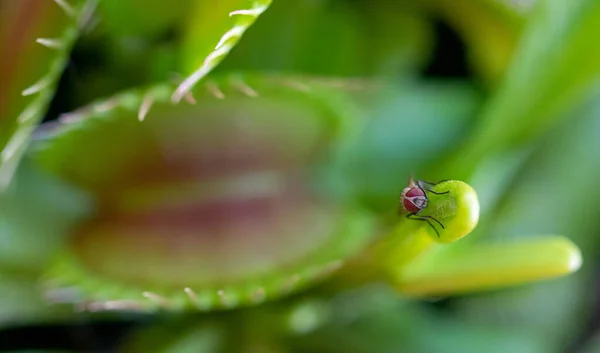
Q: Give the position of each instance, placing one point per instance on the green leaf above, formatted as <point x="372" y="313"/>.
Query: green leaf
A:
<point x="213" y="30"/>
<point x="553" y="68"/>
<point x="565" y="154"/>
<point x="35" y="40"/>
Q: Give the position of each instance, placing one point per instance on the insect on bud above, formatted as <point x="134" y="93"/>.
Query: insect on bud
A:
<point x="414" y="200"/>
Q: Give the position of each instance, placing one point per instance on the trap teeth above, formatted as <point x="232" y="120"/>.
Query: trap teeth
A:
<point x="30" y="73"/>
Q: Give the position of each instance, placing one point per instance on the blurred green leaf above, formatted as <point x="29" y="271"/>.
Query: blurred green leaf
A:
<point x="553" y="68"/>
<point x="37" y="212"/>
<point x="376" y="321"/>
<point x="313" y="37"/>
<point x="185" y="336"/>
<point x="22" y="302"/>
<point x="335" y="38"/>
<point x="400" y="37"/>
<point x="593" y="345"/>
<point x="142" y="17"/>
<point x="490" y="28"/>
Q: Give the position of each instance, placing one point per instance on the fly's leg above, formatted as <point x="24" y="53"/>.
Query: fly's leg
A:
<point x="426" y="219"/>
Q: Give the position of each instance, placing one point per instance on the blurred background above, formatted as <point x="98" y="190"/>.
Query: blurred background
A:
<point x="502" y="94"/>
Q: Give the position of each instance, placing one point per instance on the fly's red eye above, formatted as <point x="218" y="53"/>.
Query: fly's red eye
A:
<point x="414" y="192"/>
<point x="414" y="199"/>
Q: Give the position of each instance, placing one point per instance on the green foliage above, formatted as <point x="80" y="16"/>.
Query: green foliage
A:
<point x="532" y="97"/>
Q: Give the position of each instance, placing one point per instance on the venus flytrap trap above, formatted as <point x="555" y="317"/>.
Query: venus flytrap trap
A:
<point x="217" y="199"/>
<point x="31" y="65"/>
